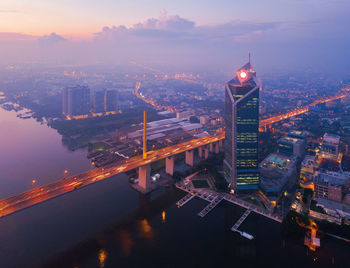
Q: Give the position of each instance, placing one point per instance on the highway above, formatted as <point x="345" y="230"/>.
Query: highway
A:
<point x="301" y="110"/>
<point x="40" y="194"/>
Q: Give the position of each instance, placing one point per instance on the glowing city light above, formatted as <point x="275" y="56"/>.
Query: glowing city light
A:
<point x="243" y="74"/>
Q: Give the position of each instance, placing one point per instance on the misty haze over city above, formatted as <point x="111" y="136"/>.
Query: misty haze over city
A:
<point x="161" y="133"/>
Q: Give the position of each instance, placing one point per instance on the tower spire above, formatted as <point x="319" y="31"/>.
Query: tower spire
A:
<point x="249" y="57"/>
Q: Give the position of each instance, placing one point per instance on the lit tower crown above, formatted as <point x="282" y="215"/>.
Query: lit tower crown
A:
<point x="246" y="73"/>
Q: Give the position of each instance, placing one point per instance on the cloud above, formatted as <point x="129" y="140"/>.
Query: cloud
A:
<point x="6" y="36"/>
<point x="178" y="30"/>
<point x="51" y="39"/>
<point x="166" y="22"/>
<point x="174" y="40"/>
<point x="164" y="26"/>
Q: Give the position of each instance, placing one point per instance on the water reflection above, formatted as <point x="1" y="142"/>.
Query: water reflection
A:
<point x="125" y="242"/>
<point x="163" y="216"/>
<point x="146" y="229"/>
<point x="102" y="256"/>
<point x="32" y="154"/>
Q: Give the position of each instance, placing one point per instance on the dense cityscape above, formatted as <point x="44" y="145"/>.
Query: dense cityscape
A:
<point x="147" y="161"/>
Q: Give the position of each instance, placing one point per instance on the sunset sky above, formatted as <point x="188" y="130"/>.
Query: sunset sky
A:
<point x="301" y="32"/>
<point x="84" y="17"/>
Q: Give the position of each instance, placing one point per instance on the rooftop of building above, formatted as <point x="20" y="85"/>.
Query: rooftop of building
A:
<point x="333" y="178"/>
<point x="275" y="160"/>
<point x="275" y="171"/>
<point x="333" y="205"/>
<point x="331" y="138"/>
<point x="276" y="166"/>
<point x="292" y="140"/>
<point x="162" y="126"/>
<point x="309" y="161"/>
<point x="297" y="134"/>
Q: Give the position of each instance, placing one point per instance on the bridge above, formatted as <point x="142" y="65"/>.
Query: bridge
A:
<point x="40" y="194"/>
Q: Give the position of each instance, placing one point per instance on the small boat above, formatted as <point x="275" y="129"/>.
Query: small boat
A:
<point x="246" y="235"/>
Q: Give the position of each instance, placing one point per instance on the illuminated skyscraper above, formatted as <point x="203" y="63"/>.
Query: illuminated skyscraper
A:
<point x="242" y="130"/>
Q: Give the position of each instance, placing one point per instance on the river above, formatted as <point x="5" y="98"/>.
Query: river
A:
<point x="109" y="224"/>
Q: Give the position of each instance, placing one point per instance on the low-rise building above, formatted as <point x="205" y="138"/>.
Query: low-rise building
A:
<point x="329" y="185"/>
<point x="292" y="146"/>
<point x="307" y="168"/>
<point x="277" y="173"/>
<point x="330" y="146"/>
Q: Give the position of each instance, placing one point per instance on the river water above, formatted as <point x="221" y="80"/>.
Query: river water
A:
<point x="108" y="224"/>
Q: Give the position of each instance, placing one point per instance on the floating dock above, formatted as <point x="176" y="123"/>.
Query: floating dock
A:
<point x="211" y="206"/>
<point x="185" y="199"/>
<point x="241" y="220"/>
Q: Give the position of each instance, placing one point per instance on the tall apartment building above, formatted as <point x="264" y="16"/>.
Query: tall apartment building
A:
<point x="76" y="101"/>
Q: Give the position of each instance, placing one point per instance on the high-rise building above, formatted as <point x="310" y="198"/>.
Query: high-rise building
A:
<point x="110" y="100"/>
<point x="242" y="130"/>
<point x="99" y="101"/>
<point x="76" y="100"/>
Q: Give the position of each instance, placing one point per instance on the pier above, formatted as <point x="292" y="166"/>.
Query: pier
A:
<point x="209" y="196"/>
<point x="211" y="206"/>
<point x="185" y="199"/>
<point x="241" y="220"/>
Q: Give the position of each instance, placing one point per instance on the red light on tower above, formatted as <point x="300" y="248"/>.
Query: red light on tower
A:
<point x="243" y="74"/>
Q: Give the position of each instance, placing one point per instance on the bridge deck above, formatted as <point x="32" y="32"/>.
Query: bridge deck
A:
<point x="43" y="193"/>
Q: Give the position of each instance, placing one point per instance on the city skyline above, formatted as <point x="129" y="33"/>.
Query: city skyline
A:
<point x="155" y="132"/>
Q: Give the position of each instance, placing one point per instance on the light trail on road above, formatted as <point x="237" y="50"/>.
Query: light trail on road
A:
<point x="301" y="110"/>
<point x="43" y="193"/>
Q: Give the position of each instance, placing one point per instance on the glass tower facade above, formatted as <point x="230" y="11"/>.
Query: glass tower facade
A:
<point x="242" y="130"/>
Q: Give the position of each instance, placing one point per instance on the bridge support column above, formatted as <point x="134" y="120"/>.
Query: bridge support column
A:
<point x="217" y="148"/>
<point x="200" y="152"/>
<point x="220" y="143"/>
<point x="169" y="165"/>
<point x="145" y="177"/>
<point x="206" y="152"/>
<point x="189" y="159"/>
<point x="211" y="147"/>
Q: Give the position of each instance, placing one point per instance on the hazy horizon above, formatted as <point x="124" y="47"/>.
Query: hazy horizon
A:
<point x="284" y="35"/>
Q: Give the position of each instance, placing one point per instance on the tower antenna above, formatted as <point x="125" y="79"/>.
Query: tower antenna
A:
<point x="249" y="57"/>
